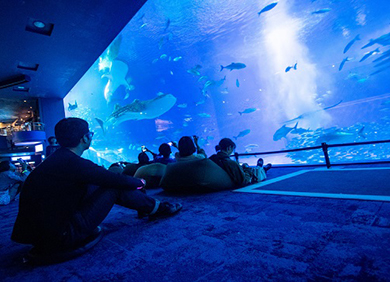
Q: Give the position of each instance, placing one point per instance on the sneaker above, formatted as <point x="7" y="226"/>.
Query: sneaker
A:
<point x="165" y="210"/>
<point x="267" y="167"/>
<point x="260" y="162"/>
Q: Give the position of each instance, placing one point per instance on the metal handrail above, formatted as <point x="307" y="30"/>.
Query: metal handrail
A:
<point x="324" y="146"/>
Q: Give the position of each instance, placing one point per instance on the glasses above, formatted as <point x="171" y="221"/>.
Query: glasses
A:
<point x="90" y="134"/>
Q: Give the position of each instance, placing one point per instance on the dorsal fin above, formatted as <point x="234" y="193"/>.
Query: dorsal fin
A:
<point x="116" y="107"/>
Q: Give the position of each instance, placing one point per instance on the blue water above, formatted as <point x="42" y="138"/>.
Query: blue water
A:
<point x="178" y="47"/>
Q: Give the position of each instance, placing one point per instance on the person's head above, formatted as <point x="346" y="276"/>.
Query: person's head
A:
<point x="116" y="168"/>
<point x="217" y="148"/>
<point x="227" y="145"/>
<point x="52" y="140"/>
<point x="73" y="132"/>
<point x="7" y="165"/>
<point x="186" y="146"/>
<point x="165" y="150"/>
<point x="143" y="158"/>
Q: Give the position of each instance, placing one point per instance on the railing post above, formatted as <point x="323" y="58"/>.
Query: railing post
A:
<point x="236" y="156"/>
<point x="325" y="150"/>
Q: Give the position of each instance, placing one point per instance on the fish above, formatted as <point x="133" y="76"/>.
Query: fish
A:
<point x="321" y="11"/>
<point x="170" y="58"/>
<point x="379" y="71"/>
<point x="283" y="131"/>
<point x="300" y="131"/>
<point x="200" y="102"/>
<point x="116" y="77"/>
<point x="224" y="91"/>
<point x="384" y="62"/>
<point x="220" y="82"/>
<point x="138" y="110"/>
<point x="291" y="67"/>
<point x="334" y="135"/>
<point x="369" y="54"/>
<point x="143" y="25"/>
<point x="184" y="105"/>
<point x="154" y="61"/>
<point x="237" y="83"/>
<point x="72" y="107"/>
<point x="160" y="137"/>
<point x="248" y="111"/>
<point x="195" y="70"/>
<point x="251" y="146"/>
<point x="234" y="66"/>
<point x="268" y="8"/>
<point x="167" y="24"/>
<point x="202" y="77"/>
<point x="349" y="45"/>
<point x="242" y="133"/>
<point x="383" y="40"/>
<point x="204" y="115"/>
<point x="177" y="59"/>
<point x="343" y="62"/>
<point x="161" y="42"/>
<point x="383" y="56"/>
<point x="171" y="72"/>
<point x="308" y="114"/>
<point x="208" y="83"/>
<point x="163" y="56"/>
<point x="361" y="133"/>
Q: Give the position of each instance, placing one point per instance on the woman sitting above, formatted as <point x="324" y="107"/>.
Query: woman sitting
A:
<point x="10" y="181"/>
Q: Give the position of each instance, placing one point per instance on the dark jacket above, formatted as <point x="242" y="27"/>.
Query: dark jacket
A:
<point x="53" y="192"/>
<point x="235" y="171"/>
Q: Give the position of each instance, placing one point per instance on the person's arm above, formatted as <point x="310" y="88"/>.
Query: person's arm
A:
<point x="199" y="150"/>
<point x="153" y="154"/>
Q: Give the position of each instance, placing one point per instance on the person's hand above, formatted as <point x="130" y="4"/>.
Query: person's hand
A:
<point x="195" y="139"/>
<point x="23" y="164"/>
<point x="174" y="144"/>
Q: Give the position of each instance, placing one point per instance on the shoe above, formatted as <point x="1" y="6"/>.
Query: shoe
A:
<point x="260" y="162"/>
<point x="165" y="210"/>
<point x="267" y="167"/>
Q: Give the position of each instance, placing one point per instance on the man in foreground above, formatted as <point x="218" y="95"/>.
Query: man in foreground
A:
<point x="66" y="197"/>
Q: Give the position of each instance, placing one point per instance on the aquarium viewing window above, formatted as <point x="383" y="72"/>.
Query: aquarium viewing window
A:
<point x="269" y="75"/>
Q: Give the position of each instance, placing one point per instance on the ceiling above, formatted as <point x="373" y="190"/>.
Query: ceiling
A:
<point x="82" y="30"/>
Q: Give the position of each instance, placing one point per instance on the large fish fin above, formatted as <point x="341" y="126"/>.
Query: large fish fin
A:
<point x="235" y="137"/>
<point x="296" y="125"/>
<point x="222" y="67"/>
<point x="117" y="106"/>
<point x="357" y="37"/>
<point x="240" y="113"/>
<point x="101" y="123"/>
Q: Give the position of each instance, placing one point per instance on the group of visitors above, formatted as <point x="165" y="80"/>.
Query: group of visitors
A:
<point x="66" y="197"/>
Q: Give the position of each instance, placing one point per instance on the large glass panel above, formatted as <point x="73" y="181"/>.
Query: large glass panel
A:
<point x="271" y="76"/>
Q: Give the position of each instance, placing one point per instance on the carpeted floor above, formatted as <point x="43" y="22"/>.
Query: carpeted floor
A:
<point x="226" y="236"/>
<point x="353" y="183"/>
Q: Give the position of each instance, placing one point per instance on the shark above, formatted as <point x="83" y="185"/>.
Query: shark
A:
<point x="116" y="77"/>
<point x="283" y="131"/>
<point x="137" y="110"/>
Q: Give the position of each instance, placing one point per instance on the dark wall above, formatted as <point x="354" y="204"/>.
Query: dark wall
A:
<point x="51" y="111"/>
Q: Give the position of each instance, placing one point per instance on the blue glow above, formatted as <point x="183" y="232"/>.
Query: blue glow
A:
<point x="320" y="65"/>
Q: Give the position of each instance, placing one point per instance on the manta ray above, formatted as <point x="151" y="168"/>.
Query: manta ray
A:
<point x="137" y="110"/>
<point x="308" y="114"/>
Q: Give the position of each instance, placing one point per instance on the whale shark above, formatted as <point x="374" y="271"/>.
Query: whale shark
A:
<point x="137" y="110"/>
<point x="116" y="77"/>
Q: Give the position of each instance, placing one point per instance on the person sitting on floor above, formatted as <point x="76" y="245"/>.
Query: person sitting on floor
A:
<point x="164" y="153"/>
<point x="10" y="181"/>
<point x="66" y="197"/>
<point x="131" y="168"/>
<point x="188" y="148"/>
<point x="240" y="175"/>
